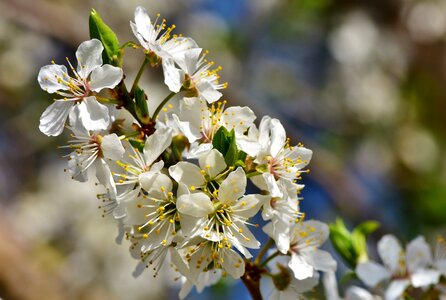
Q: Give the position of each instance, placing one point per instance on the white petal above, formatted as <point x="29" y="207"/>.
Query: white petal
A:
<point x="53" y="118"/>
<point x="238" y="118"/>
<point x="302" y="286"/>
<point x="111" y="147"/>
<point x="419" y="254"/>
<point x="186" y="288"/>
<point x="175" y="46"/>
<point x="213" y="162"/>
<point x="180" y="262"/>
<point x="272" y="185"/>
<point x="173" y="77"/>
<point x="105" y="177"/>
<point x="157" y="166"/>
<point x="76" y="125"/>
<point x="249" y="205"/>
<point x="94" y="115"/>
<point x="390" y="251"/>
<point x="89" y="57"/>
<point x="321" y="260"/>
<point x="49" y="78"/>
<point x="244" y="236"/>
<point x="264" y="131"/>
<point x="156" y="144"/>
<point x="75" y="168"/>
<point x="259" y="182"/>
<point x="301" y="268"/>
<point x="143" y="24"/>
<point x="194" y="110"/>
<point x="280" y="237"/>
<point x="372" y="273"/>
<point x="188" y="60"/>
<point x="192" y="133"/>
<point x="233" y="263"/>
<point x="425" y="277"/>
<point x="197" y="150"/>
<point x="330" y="286"/>
<point x="396" y="289"/>
<point x="357" y="293"/>
<point x="207" y="91"/>
<point x="155" y="184"/>
<point x="315" y="232"/>
<point x="248" y="145"/>
<point x="187" y="173"/>
<point x="278" y="137"/>
<point x="233" y="187"/>
<point x="301" y="153"/>
<point x="196" y="205"/>
<point x="135" y="215"/>
<point x="105" y="77"/>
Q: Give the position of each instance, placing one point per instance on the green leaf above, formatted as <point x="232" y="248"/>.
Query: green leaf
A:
<point x="232" y="153"/>
<point x="224" y="141"/>
<point x="142" y="111"/>
<point x="342" y="241"/>
<point x="99" y="30"/>
<point x="367" y="227"/>
<point x="220" y="141"/>
<point x="343" y="245"/>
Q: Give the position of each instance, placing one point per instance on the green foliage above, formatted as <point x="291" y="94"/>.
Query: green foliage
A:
<point x="142" y="111"/>
<point x="224" y="141"/>
<point x="351" y="246"/>
<point x="101" y="31"/>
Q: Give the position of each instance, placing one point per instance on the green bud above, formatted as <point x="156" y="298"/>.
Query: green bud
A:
<point x="352" y="246"/>
<point x="142" y="111"/>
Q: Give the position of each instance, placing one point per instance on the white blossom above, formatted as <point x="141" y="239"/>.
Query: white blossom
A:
<point x="284" y="213"/>
<point x="89" y="77"/>
<point x="306" y="258"/>
<point x="400" y="269"/>
<point x="190" y="69"/>
<point x="223" y="214"/>
<point x="92" y="149"/>
<point x="282" y="284"/>
<point x="199" y="123"/>
<point x="156" y="37"/>
<point x="276" y="158"/>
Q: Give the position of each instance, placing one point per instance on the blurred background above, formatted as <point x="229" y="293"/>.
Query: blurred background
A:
<point x="360" y="82"/>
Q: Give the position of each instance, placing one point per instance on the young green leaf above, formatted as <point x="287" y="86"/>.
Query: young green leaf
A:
<point x="101" y="31"/>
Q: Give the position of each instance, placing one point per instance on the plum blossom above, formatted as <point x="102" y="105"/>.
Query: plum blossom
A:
<point x="223" y="214"/>
<point x="199" y="123"/>
<point x="90" y="76"/>
<point x="400" y="269"/>
<point x="190" y="70"/>
<point x="277" y="160"/>
<point x="156" y="38"/>
<point x="284" y="213"/>
<point x="306" y="258"/>
<point x="141" y="170"/>
<point x="92" y="149"/>
<point x="282" y="284"/>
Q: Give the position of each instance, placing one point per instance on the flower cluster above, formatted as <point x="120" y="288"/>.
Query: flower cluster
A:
<point x="415" y="268"/>
<point x="177" y="184"/>
<point x="176" y="181"/>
